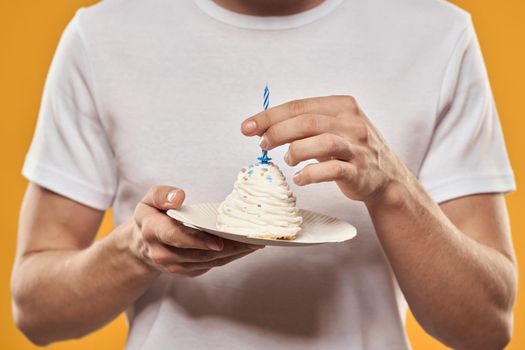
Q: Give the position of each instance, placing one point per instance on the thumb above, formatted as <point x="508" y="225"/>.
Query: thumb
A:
<point x="164" y="197"/>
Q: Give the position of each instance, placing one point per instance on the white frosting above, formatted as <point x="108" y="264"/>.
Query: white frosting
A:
<point x="261" y="204"/>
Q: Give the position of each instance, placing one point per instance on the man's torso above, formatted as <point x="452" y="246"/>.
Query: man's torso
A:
<point x="173" y="85"/>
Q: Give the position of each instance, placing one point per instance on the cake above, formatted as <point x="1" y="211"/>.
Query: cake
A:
<point x="261" y="205"/>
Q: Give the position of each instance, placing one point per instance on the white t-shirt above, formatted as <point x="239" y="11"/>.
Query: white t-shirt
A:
<point x="146" y="92"/>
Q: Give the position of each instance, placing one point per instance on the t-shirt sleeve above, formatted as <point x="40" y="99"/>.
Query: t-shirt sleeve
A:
<point x="467" y="152"/>
<point x="70" y="153"/>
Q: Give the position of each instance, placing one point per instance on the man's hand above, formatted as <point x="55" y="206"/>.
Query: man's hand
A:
<point x="336" y="132"/>
<point x="59" y="262"/>
<point x="466" y="302"/>
<point x="167" y="245"/>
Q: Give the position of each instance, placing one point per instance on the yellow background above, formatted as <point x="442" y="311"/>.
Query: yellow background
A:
<point x="29" y="31"/>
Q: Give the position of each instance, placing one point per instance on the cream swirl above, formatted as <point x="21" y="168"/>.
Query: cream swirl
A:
<point x="261" y="204"/>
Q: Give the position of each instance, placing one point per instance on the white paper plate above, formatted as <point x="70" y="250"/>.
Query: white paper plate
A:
<point x="315" y="229"/>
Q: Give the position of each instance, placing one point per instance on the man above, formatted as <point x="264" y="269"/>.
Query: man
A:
<point x="149" y="95"/>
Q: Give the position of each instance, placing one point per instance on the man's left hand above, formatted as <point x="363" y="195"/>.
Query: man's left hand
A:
<point x="334" y="131"/>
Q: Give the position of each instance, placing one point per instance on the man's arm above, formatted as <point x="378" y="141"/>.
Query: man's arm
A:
<point x="454" y="264"/>
<point x="457" y="272"/>
<point x="64" y="285"/>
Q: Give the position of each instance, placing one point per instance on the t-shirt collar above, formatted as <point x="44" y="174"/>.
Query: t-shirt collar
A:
<point x="268" y="22"/>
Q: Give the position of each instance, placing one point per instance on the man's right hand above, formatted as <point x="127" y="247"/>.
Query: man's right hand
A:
<point x="168" y="246"/>
<point x="59" y="263"/>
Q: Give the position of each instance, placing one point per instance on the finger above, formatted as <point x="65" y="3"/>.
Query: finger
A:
<point x="332" y="170"/>
<point x="318" y="147"/>
<point x="158" y="198"/>
<point x="189" y="238"/>
<point x="300" y="127"/>
<point x="192" y="266"/>
<point x="307" y="125"/>
<point x="165" y="255"/>
<point x="328" y="105"/>
<point x="195" y="273"/>
<point x="164" y="197"/>
<point x="160" y="227"/>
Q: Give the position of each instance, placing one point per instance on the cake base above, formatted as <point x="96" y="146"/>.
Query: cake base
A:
<point x="277" y="238"/>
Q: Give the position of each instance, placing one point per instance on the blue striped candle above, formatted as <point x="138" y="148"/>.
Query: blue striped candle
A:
<point x="266" y="102"/>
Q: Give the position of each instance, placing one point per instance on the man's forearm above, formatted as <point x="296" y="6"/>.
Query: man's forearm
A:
<point x="460" y="290"/>
<point x="67" y="294"/>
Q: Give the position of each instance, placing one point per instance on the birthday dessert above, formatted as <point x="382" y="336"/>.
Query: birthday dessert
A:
<point x="261" y="205"/>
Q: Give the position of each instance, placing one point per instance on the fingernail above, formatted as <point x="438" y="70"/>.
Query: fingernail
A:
<point x="249" y="126"/>
<point x="214" y="245"/>
<point x="263" y="143"/>
<point x="287" y="158"/>
<point x="171" y="196"/>
<point x="297" y="178"/>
